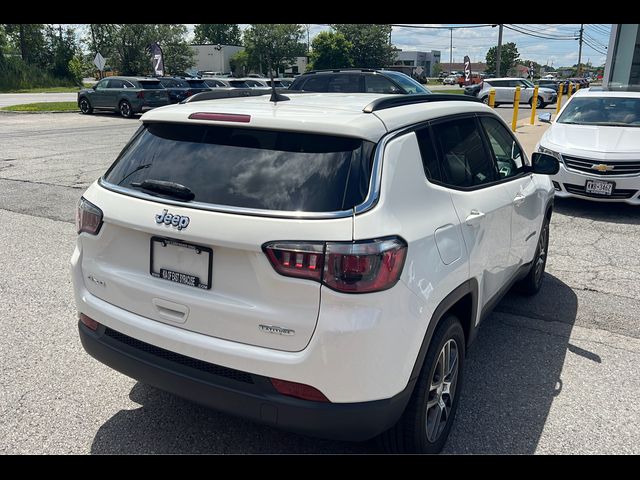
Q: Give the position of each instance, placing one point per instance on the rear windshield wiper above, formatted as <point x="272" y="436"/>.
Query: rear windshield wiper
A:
<point x="171" y="189"/>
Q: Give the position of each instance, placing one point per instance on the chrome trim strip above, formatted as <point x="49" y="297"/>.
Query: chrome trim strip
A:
<point x="369" y="202"/>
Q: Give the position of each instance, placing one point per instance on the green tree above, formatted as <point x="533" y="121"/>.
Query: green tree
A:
<point x="436" y="69"/>
<point x="125" y="46"/>
<point x="370" y="46"/>
<point x="60" y="47"/>
<point x="218" y="33"/>
<point x="330" y="50"/>
<point x="509" y="57"/>
<point x="273" y="46"/>
<point x="27" y="40"/>
<point x="239" y="63"/>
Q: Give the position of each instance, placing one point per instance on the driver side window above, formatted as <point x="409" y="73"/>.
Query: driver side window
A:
<point x="102" y="83"/>
<point x="506" y="152"/>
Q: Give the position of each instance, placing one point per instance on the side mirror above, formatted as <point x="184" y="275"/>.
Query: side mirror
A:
<point x="545" y="117"/>
<point x="544" y="164"/>
<point x="94" y="86"/>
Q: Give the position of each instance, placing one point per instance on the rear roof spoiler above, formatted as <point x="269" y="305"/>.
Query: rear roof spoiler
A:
<point x="230" y="92"/>
<point x="400" y="100"/>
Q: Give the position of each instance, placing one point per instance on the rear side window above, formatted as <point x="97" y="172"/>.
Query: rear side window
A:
<point x="465" y="162"/>
<point x="116" y="84"/>
<point x="379" y="84"/>
<point x="428" y="153"/>
<point x="346" y="84"/>
<point x="318" y="83"/>
<point x="151" y="85"/>
<point x="250" y="168"/>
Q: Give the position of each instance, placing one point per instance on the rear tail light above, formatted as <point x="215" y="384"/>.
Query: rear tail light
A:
<point x="298" y="390"/>
<point x="88" y="217"/>
<point x="88" y="321"/>
<point x="140" y="95"/>
<point x="354" y="267"/>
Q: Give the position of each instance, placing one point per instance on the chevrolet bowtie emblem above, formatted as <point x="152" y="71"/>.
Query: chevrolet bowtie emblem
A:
<point x="601" y="167"/>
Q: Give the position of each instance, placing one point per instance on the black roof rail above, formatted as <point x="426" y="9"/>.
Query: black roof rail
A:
<point x="400" y="100"/>
<point x="338" y="70"/>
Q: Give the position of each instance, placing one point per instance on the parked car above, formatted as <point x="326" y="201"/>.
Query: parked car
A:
<point x="505" y="89"/>
<point x="475" y="79"/>
<point x="357" y="81"/>
<point x="228" y="82"/>
<point x="127" y="95"/>
<point x="555" y="85"/>
<point x="596" y="138"/>
<point x="473" y="90"/>
<point x="180" y="88"/>
<point x="319" y="273"/>
<point x="451" y="80"/>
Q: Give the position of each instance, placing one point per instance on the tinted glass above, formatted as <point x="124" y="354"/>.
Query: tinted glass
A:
<point x="379" y="84"/>
<point x="346" y="84"/>
<point x="406" y="82"/>
<point x="606" y="111"/>
<point x="174" y="83"/>
<point x="238" y="84"/>
<point x="506" y="153"/>
<point x="428" y="154"/>
<point x="115" y="84"/>
<point x="214" y="83"/>
<point x="197" y="84"/>
<point x="465" y="162"/>
<point x="250" y="168"/>
<point x="151" y="85"/>
<point x="102" y="83"/>
<point x="316" y="83"/>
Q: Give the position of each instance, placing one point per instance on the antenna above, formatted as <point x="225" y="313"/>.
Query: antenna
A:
<point x="275" y="96"/>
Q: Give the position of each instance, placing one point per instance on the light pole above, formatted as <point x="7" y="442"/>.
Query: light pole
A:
<point x="451" y="51"/>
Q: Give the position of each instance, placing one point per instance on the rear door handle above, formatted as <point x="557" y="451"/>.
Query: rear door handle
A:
<point x="519" y="199"/>
<point x="474" y="217"/>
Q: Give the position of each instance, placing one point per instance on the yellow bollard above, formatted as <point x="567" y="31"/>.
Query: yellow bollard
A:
<point x="516" y="106"/>
<point x="492" y="97"/>
<point x="570" y="90"/>
<point x="534" y="105"/>
<point x="560" y="90"/>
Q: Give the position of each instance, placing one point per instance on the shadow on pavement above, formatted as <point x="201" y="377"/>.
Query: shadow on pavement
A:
<point x="513" y="374"/>
<point x="600" y="211"/>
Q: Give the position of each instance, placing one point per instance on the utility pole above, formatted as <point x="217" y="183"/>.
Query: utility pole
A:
<point x="451" y="52"/>
<point x="499" y="52"/>
<point x="580" y="51"/>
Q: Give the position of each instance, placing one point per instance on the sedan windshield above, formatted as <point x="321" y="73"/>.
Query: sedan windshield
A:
<point x="408" y="83"/>
<point x="607" y="111"/>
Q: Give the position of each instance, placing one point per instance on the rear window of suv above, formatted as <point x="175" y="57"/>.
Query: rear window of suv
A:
<point x="250" y="168"/>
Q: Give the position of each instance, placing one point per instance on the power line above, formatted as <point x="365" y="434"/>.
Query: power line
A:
<point x="441" y="27"/>
<point x="546" y="37"/>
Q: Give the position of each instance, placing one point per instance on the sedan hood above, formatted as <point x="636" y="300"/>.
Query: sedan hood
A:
<point x="592" y="138"/>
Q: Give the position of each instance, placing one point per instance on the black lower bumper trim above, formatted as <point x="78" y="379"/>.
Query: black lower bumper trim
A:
<point x="256" y="400"/>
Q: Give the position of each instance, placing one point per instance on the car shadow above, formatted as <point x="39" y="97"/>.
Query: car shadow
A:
<point x="513" y="373"/>
<point x="600" y="211"/>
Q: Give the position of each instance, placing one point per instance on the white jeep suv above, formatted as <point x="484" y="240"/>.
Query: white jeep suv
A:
<point x="319" y="264"/>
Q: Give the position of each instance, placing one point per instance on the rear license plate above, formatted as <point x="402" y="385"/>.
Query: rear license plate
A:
<point x="599" y="187"/>
<point x="181" y="262"/>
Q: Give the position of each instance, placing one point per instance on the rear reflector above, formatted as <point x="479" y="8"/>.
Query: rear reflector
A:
<point x="298" y="390"/>
<point x="89" y="322"/>
<point x="221" y="117"/>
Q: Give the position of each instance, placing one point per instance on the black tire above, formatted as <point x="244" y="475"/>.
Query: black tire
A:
<point x="85" y="106"/>
<point x="530" y="285"/>
<point x="125" y="109"/>
<point x="410" y="434"/>
<point x="540" y="103"/>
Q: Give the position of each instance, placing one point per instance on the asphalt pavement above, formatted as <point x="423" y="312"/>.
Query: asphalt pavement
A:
<point x="554" y="373"/>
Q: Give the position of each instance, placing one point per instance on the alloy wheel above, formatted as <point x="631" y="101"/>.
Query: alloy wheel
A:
<point x="442" y="390"/>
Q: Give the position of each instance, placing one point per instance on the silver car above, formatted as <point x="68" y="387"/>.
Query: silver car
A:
<point x="506" y="87"/>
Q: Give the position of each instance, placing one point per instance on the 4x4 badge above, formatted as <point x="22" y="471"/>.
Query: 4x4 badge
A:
<point x="179" y="221"/>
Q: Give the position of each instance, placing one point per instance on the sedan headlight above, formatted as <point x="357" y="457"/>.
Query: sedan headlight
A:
<point x="548" y="151"/>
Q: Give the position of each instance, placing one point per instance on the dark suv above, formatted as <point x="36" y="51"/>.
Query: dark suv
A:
<point x="181" y="88"/>
<point x="357" y="81"/>
<point x="126" y="95"/>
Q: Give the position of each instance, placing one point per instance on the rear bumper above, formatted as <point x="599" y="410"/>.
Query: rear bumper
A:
<point x="239" y="393"/>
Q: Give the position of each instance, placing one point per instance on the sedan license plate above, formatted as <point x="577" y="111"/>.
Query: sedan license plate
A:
<point x="181" y="262"/>
<point x="599" y="187"/>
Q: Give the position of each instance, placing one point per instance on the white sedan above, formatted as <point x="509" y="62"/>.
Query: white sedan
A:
<point x="596" y="138"/>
